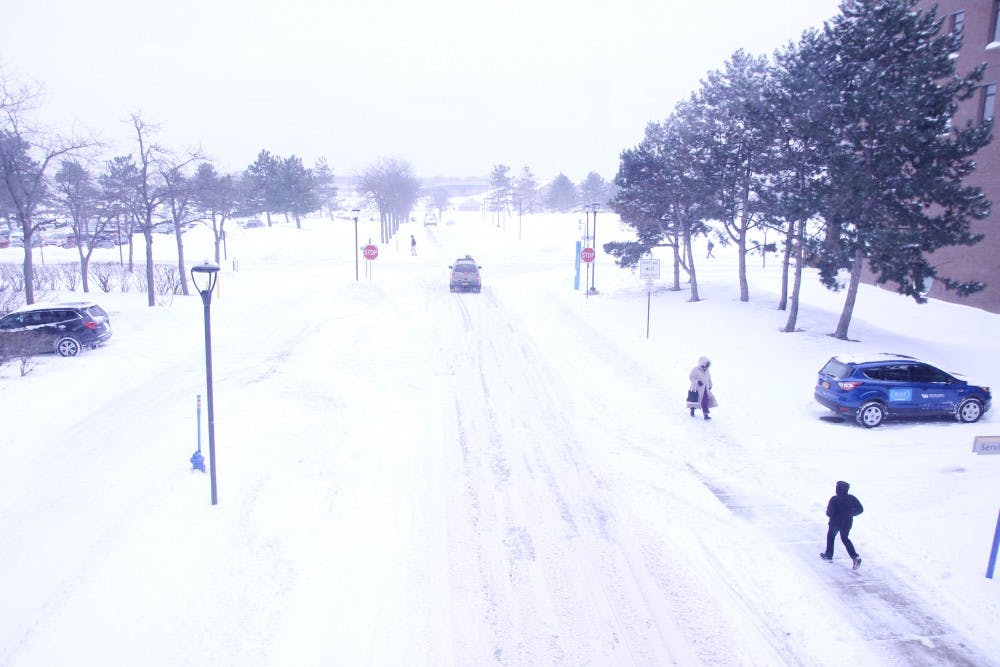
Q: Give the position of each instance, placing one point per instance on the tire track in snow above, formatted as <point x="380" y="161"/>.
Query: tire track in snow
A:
<point x="884" y="609"/>
<point x="563" y="594"/>
<point x="677" y="572"/>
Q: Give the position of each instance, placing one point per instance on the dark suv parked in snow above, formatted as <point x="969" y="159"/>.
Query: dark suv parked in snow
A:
<point x="897" y="386"/>
<point x="465" y="275"/>
<point x="64" y="328"/>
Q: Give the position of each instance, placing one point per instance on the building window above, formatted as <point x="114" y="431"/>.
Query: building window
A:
<point x="989" y="101"/>
<point x="957" y="23"/>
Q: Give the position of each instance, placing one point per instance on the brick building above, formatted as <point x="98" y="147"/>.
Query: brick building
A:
<point x="977" y="20"/>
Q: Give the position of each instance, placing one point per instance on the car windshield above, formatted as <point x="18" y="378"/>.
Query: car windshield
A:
<point x="837" y="369"/>
<point x="465" y="268"/>
<point x="97" y="312"/>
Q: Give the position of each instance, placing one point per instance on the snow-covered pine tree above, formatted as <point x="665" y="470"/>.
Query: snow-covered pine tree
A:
<point x="895" y="188"/>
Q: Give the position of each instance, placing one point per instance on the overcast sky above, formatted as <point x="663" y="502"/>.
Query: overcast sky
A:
<point x="451" y="86"/>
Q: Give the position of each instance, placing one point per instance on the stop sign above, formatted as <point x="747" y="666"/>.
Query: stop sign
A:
<point x="371" y="251"/>
<point x="587" y="255"/>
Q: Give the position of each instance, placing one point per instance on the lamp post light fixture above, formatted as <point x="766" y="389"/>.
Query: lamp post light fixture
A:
<point x="594" y="207"/>
<point x="204" y="276"/>
<point x="356" y="212"/>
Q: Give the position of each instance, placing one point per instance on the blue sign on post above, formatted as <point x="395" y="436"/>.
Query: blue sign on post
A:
<point x="576" y="278"/>
<point x="990" y="444"/>
<point x="993" y="552"/>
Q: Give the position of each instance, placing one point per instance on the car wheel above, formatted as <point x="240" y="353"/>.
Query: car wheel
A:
<point x="969" y="410"/>
<point x="871" y="414"/>
<point x="68" y="346"/>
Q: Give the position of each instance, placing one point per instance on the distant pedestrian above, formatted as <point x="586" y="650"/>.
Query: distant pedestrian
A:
<point x="842" y="509"/>
<point x="711" y="247"/>
<point x="700" y="391"/>
<point x="413" y="245"/>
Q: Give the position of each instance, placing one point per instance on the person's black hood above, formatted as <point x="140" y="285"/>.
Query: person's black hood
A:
<point x="842" y="488"/>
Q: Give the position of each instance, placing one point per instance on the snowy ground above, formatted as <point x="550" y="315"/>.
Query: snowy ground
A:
<point x="412" y="477"/>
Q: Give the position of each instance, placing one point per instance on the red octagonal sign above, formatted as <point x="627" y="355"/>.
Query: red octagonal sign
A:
<point x="587" y="255"/>
<point x="371" y="251"/>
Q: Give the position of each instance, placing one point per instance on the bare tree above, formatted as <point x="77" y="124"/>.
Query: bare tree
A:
<point x="439" y="200"/>
<point x="218" y="199"/>
<point x="77" y="195"/>
<point x="149" y="190"/>
<point x="26" y="157"/>
<point x="178" y="199"/>
<point x="393" y="188"/>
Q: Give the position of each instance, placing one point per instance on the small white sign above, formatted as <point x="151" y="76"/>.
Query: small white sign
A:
<point x="986" y="444"/>
<point x="649" y="269"/>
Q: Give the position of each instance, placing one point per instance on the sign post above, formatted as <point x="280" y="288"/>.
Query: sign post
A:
<point x="650" y="270"/>
<point x="576" y="276"/>
<point x="587" y="255"/>
<point x="991" y="565"/>
<point x="371" y="254"/>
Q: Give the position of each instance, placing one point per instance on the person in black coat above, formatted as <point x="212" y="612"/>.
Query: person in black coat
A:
<point x="842" y="509"/>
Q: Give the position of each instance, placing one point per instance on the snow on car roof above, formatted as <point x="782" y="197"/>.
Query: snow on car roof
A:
<point x="857" y="358"/>
<point x="54" y="304"/>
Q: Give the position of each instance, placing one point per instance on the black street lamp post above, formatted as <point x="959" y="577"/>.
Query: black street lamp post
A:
<point x="356" y="212"/>
<point x="204" y="276"/>
<point x="593" y="270"/>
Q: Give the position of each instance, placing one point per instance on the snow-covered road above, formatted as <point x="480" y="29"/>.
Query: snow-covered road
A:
<point x="409" y="476"/>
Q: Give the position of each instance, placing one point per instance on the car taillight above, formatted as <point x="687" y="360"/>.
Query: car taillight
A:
<point x="90" y="325"/>
<point x="849" y="385"/>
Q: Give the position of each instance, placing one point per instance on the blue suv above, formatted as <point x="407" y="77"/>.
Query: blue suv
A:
<point x="897" y="386"/>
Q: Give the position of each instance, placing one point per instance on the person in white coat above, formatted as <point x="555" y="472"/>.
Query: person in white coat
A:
<point x="700" y="392"/>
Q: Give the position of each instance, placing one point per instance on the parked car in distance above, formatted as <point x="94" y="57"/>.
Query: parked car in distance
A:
<point x="253" y="223"/>
<point x="57" y="237"/>
<point x="465" y="275"/>
<point x="430" y="221"/>
<point x="63" y="328"/>
<point x="891" y="386"/>
<point x="105" y="241"/>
